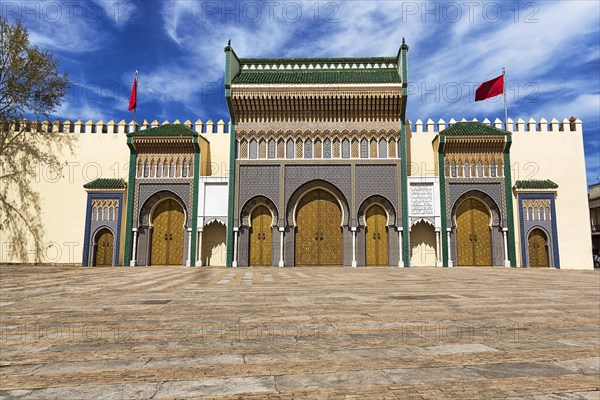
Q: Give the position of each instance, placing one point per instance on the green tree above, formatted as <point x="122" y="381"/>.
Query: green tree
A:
<point x="30" y="86"/>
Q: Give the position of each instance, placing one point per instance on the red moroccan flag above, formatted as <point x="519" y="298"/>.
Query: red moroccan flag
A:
<point x="490" y="88"/>
<point x="133" y="96"/>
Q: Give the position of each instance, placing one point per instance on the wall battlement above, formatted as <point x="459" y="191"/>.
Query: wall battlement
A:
<point x="520" y="126"/>
<point x="123" y="127"/>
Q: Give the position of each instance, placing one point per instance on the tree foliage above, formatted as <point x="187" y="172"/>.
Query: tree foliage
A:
<point x="30" y="86"/>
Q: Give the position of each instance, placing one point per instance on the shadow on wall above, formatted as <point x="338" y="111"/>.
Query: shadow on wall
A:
<point x="422" y="245"/>
<point x="214" y="236"/>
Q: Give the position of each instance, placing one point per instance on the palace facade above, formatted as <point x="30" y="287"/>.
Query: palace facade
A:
<point x="320" y="166"/>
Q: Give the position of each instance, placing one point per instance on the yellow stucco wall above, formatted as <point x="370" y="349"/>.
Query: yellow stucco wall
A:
<point x="546" y="154"/>
<point x="558" y="156"/>
<point x="63" y="198"/>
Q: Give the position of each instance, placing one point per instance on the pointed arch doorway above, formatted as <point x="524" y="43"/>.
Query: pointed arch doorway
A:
<point x="376" y="236"/>
<point x="319" y="240"/>
<point x="261" y="237"/>
<point x="538" y="249"/>
<point x="168" y="221"/>
<point x="104" y="248"/>
<point x="473" y="233"/>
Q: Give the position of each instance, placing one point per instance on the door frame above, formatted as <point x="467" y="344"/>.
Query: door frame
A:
<point x="490" y="226"/>
<point x="95" y="245"/>
<point x="549" y="254"/>
<point x="151" y="227"/>
<point x="385" y="227"/>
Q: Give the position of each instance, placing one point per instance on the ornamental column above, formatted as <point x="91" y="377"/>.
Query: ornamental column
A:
<point x="438" y="250"/>
<point x="449" y="230"/>
<point x="281" y="244"/>
<point x="234" y="263"/>
<point x="506" y="260"/>
<point x="188" y="263"/>
<point x="134" y="252"/>
<point x="199" y="250"/>
<point x="353" y="229"/>
<point x="400" y="247"/>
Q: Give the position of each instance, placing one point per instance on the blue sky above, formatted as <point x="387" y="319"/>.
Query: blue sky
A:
<point x="551" y="50"/>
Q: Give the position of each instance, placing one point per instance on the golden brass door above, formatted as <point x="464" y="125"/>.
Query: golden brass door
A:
<point x="167" y="234"/>
<point x="376" y="237"/>
<point x="473" y="233"/>
<point x="538" y="252"/>
<point x="104" y="248"/>
<point x="261" y="240"/>
<point x="319" y="234"/>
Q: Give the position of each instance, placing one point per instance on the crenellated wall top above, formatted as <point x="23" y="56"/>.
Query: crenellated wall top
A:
<point x="518" y="126"/>
<point x="221" y="127"/>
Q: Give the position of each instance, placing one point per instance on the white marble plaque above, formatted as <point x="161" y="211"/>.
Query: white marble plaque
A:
<point x="421" y="199"/>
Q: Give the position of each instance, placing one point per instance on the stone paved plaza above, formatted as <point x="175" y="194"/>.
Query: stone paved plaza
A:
<point x="299" y="333"/>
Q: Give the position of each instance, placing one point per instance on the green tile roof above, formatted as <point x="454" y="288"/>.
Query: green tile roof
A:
<point x="103" y="183"/>
<point x="320" y="76"/>
<point x="349" y="60"/>
<point x="472" y="129"/>
<point x="165" y="130"/>
<point x="536" y="184"/>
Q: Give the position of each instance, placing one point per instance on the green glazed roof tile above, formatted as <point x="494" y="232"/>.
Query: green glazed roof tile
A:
<point x="472" y="129"/>
<point x="104" y="183"/>
<point x="322" y="76"/>
<point x="536" y="184"/>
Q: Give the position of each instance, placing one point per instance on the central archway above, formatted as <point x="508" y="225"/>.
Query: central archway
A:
<point x="168" y="221"/>
<point x="319" y="239"/>
<point x="473" y="233"/>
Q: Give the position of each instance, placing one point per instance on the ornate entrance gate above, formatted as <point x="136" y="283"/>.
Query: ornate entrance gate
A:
<point x="473" y="233"/>
<point x="376" y="237"/>
<point x="167" y="234"/>
<point x="104" y="249"/>
<point x="319" y="234"/>
<point x="261" y="236"/>
<point x="538" y="253"/>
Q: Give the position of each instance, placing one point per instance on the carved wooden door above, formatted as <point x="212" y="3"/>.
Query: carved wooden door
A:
<point x="167" y="234"/>
<point x="319" y="235"/>
<point x="261" y="236"/>
<point x="538" y="253"/>
<point x="376" y="237"/>
<point x="473" y="234"/>
<point x="105" y="249"/>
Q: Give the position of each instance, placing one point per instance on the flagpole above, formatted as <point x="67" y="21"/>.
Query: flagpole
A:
<point x="505" y="102"/>
<point x="137" y="71"/>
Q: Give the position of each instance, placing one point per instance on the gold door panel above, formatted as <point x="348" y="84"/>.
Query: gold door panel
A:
<point x="538" y="252"/>
<point x="319" y="235"/>
<point x="330" y="237"/>
<point x="104" y="249"/>
<point x="307" y="221"/>
<point x="261" y="238"/>
<point x="167" y="234"/>
<point x="376" y="237"/>
<point x="473" y="233"/>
